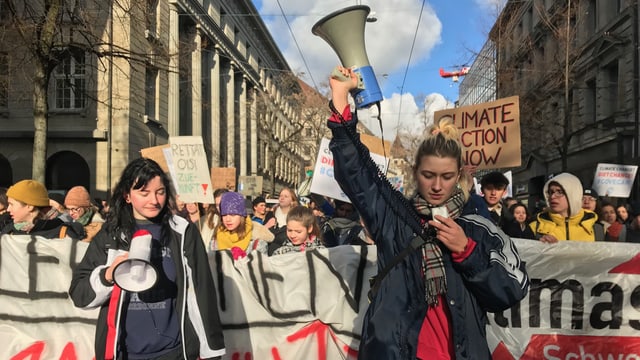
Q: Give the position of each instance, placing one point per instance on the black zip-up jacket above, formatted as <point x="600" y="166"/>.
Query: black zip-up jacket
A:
<point x="200" y="325"/>
<point x="492" y="278"/>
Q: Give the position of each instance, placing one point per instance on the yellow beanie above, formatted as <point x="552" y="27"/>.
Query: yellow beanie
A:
<point x="30" y="192"/>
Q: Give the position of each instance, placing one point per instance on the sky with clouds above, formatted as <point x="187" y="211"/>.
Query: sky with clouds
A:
<point x="406" y="46"/>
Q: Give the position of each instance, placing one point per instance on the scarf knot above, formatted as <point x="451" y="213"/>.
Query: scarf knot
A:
<point x="433" y="273"/>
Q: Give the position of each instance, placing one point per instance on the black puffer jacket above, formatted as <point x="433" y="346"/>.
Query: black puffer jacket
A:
<point x="491" y="279"/>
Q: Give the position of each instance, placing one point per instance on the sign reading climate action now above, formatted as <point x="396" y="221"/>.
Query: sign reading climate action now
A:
<point x="489" y="132"/>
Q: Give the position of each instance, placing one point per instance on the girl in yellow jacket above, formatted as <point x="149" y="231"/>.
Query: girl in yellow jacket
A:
<point x="565" y="219"/>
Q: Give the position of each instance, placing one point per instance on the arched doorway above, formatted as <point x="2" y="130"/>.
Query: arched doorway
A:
<point x="66" y="169"/>
<point x="6" y="172"/>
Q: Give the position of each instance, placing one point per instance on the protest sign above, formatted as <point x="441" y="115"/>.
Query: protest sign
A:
<point x="489" y="132"/>
<point x="614" y="180"/>
<point x="156" y="154"/>
<point x="250" y="185"/>
<point x="324" y="183"/>
<point x="189" y="169"/>
<point x="223" y="178"/>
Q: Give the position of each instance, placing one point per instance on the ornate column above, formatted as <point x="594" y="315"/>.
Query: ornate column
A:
<point x="196" y="83"/>
<point x="231" y="116"/>
<point x="214" y="74"/>
<point x="173" y="116"/>
<point x="242" y="118"/>
<point x="253" y="130"/>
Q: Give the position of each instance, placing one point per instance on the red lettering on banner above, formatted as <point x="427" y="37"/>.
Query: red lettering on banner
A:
<point x="275" y="354"/>
<point x="630" y="267"/>
<point x="320" y="330"/>
<point x="238" y="356"/>
<point x="69" y="352"/>
<point x="501" y="353"/>
<point x="564" y="347"/>
<point x="33" y="352"/>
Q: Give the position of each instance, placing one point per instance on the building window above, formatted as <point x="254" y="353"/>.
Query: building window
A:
<point x="4" y="80"/>
<point x="152" y="16"/>
<point x="69" y="80"/>
<point x="151" y="81"/>
<point x="611" y="88"/>
<point x="590" y="102"/>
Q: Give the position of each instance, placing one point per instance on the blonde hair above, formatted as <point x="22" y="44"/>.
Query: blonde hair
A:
<point x="443" y="141"/>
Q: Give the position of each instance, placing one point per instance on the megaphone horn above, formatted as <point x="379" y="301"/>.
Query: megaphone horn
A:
<point x="343" y="30"/>
<point x="136" y="274"/>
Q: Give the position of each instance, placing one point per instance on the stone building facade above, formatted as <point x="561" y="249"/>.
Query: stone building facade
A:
<point x="576" y="72"/>
<point x="152" y="70"/>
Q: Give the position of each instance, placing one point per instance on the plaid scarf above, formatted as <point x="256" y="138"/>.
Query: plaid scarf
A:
<point x="435" y="281"/>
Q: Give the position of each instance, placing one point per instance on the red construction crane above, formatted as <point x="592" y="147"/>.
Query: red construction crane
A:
<point x="455" y="75"/>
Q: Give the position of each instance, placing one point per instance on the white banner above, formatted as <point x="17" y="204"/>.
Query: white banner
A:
<point x="37" y="318"/>
<point x="583" y="303"/>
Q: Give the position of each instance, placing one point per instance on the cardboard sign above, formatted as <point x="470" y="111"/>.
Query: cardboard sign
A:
<point x="614" y="180"/>
<point x="323" y="182"/>
<point x="223" y="178"/>
<point x="489" y="132"/>
<point x="156" y="153"/>
<point x="189" y="169"/>
<point x="250" y="185"/>
<point x="375" y="144"/>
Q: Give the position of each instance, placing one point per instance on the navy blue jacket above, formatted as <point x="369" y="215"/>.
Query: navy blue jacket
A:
<point x="491" y="279"/>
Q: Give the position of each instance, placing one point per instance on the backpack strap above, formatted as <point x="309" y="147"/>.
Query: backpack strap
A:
<point x="375" y="281"/>
<point x="63" y="232"/>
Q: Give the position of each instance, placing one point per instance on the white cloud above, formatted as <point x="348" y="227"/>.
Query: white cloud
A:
<point x="388" y="43"/>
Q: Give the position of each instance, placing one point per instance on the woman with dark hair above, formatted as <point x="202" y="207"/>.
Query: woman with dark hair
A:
<point x="130" y="323"/>
<point x="518" y="226"/>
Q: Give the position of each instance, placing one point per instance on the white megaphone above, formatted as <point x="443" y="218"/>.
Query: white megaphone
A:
<point x="344" y="31"/>
<point x="136" y="274"/>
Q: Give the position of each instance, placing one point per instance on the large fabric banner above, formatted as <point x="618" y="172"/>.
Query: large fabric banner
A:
<point x="583" y="304"/>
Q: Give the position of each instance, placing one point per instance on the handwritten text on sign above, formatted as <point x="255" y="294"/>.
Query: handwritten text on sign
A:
<point x="614" y="180"/>
<point x="489" y="132"/>
<point x="190" y="170"/>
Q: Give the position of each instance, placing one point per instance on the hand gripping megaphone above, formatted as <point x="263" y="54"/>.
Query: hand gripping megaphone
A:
<point x="344" y="31"/>
<point x="136" y="274"/>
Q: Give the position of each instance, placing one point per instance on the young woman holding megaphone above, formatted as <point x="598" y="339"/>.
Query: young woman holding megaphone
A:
<point x="137" y="271"/>
<point x="441" y="266"/>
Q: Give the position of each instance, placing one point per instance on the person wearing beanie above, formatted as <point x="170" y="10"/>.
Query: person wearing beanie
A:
<point x="56" y="201"/>
<point x="236" y="230"/>
<point x="83" y="211"/>
<point x="494" y="187"/>
<point x="177" y="318"/>
<point x="565" y="219"/>
<point x="29" y="208"/>
<point x="590" y="200"/>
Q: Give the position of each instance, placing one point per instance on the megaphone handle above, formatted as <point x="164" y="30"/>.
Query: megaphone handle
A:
<point x="338" y="75"/>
